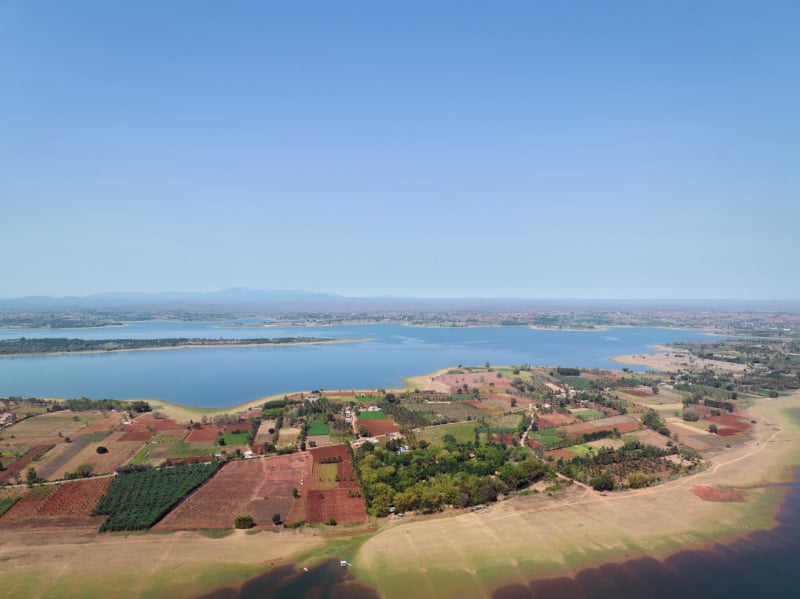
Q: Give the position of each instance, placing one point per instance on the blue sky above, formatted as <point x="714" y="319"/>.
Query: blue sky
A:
<point x="449" y="149"/>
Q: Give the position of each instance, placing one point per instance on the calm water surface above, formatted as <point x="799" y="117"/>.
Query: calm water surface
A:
<point x="219" y="377"/>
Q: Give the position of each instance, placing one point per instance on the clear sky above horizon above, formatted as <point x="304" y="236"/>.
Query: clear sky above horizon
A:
<point x="448" y="149"/>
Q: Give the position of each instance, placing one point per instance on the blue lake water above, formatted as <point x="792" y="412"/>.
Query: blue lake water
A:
<point x="221" y="377"/>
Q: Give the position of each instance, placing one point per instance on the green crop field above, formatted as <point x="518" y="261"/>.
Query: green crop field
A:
<point x="581" y="450"/>
<point x="6" y="503"/>
<point x="462" y="431"/>
<point x="190" y="450"/>
<point x="138" y="500"/>
<point x="325" y="476"/>
<point x="233" y="439"/>
<point x="376" y="415"/>
<point x="577" y="382"/>
<point x="546" y="437"/>
<point x="318" y="428"/>
<point x="587" y="415"/>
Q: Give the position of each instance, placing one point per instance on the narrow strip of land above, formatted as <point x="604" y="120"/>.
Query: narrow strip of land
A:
<point x="10" y="348"/>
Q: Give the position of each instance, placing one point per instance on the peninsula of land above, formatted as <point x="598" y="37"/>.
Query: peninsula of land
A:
<point x="56" y="345"/>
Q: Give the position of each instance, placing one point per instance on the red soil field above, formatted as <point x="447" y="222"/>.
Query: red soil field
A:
<point x="551" y="420"/>
<point x="379" y="426"/>
<point x="503" y="438"/>
<point x="29" y="505"/>
<point x="76" y="498"/>
<point x="203" y="435"/>
<point x="713" y="494"/>
<point x="347" y="477"/>
<point x="344" y="505"/>
<point x="624" y="424"/>
<point x="21" y="463"/>
<point x="261" y="487"/>
<point x="332" y="451"/>
<point x="560" y="453"/>
<point x="730" y="424"/>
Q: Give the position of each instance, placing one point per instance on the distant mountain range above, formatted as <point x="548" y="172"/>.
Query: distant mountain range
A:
<point x="288" y="300"/>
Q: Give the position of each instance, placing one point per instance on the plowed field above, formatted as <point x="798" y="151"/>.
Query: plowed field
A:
<point x="261" y="487"/>
<point x="379" y="426"/>
<point x="344" y="505"/>
<point x="76" y="498"/>
<point x="203" y="435"/>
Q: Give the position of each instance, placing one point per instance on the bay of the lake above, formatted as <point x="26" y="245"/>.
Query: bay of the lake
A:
<point x="222" y="377"/>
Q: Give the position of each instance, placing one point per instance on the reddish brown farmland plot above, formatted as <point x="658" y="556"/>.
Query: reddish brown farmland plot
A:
<point x="379" y="426"/>
<point x="343" y="503"/>
<point x="76" y="498"/>
<point x="30" y="504"/>
<point x="203" y="435"/>
<point x="261" y="487"/>
<point x="66" y="505"/>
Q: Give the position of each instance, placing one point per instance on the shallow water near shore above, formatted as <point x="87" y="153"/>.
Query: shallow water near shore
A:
<point x="328" y="579"/>
<point x="220" y="377"/>
<point x="764" y="564"/>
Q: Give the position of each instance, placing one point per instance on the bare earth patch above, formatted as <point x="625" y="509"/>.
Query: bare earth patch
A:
<point x="716" y="494"/>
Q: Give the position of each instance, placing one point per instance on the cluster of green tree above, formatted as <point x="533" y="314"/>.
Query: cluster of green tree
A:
<point x="652" y="420"/>
<point x="605" y="467"/>
<point x="633" y="380"/>
<point x="48" y="345"/>
<point x="772" y="363"/>
<point x="82" y="471"/>
<point x="84" y="404"/>
<point x="407" y="419"/>
<point x="565" y="371"/>
<point x="430" y="477"/>
<point x="722" y="405"/>
<point x="137" y="500"/>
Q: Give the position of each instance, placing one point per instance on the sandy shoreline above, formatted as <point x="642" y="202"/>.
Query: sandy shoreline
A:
<point x="536" y="537"/>
<point x="456" y="554"/>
